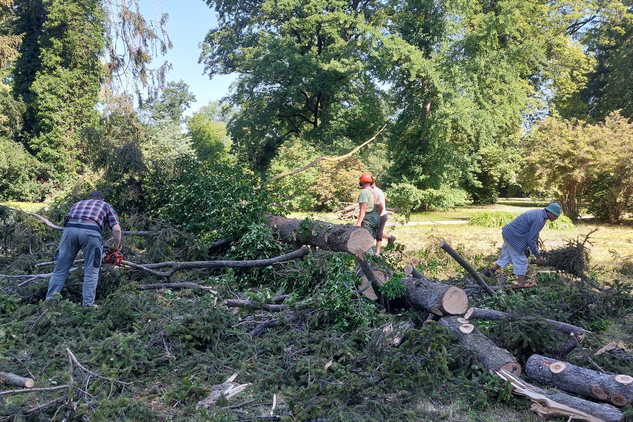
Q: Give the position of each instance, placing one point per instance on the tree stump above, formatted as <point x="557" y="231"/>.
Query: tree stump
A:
<point x="614" y="389"/>
<point x="485" y="350"/>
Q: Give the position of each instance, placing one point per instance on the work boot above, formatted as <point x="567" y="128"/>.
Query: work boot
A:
<point x="391" y="240"/>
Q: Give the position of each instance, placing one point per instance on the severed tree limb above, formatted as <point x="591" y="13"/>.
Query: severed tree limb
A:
<point x="324" y="158"/>
<point x="579" y="346"/>
<point x="74" y="360"/>
<point x="290" y="317"/>
<point x="176" y="266"/>
<point x="493" y="315"/>
<point x="33" y="390"/>
<point x="56" y="227"/>
<point x="457" y="257"/>
<point x="184" y="285"/>
<point x="252" y="304"/>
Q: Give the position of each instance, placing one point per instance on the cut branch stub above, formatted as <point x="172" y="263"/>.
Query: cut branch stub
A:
<point x="556" y="367"/>
<point x="9" y="378"/>
<point x="624" y="379"/>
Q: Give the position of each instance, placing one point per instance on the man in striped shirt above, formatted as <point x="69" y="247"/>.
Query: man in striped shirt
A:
<point x="519" y="235"/>
<point x="83" y="227"/>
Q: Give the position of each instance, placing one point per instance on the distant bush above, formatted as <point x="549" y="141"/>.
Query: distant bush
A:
<point x="407" y="198"/>
<point x="494" y="219"/>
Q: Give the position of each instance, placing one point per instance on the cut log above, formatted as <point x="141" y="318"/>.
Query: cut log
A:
<point x="439" y="299"/>
<point x="582" y="381"/>
<point x="326" y="236"/>
<point x="9" y="378"/>
<point x="485" y="350"/>
<point x="461" y="261"/>
<point x="492" y="315"/>
<point x="557" y="404"/>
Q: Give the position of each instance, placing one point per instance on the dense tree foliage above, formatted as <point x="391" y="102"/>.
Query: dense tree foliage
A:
<point x="574" y="160"/>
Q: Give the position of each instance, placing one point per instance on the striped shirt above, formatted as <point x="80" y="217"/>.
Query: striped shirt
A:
<point x="523" y="231"/>
<point x="95" y="209"/>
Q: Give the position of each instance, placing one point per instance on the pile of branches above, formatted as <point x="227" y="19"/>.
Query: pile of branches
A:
<point x="573" y="259"/>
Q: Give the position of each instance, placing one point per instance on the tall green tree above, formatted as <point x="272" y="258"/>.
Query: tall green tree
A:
<point x="65" y="90"/>
<point x="610" y="86"/>
<point x="209" y="135"/>
<point x="304" y="72"/>
<point x="478" y="70"/>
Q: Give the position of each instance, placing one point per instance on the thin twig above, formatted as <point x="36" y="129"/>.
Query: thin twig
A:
<point x="30" y="390"/>
<point x="594" y="364"/>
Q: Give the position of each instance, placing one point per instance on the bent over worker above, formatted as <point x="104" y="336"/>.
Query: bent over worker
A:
<point x="520" y="234"/>
<point x="368" y="216"/>
<point x="83" y="227"/>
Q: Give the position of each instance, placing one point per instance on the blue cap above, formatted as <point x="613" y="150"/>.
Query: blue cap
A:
<point x="554" y="208"/>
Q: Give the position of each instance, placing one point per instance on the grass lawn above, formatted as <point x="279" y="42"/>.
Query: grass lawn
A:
<point x="425" y="230"/>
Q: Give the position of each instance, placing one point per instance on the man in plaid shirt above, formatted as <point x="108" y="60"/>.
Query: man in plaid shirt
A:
<point x="520" y="235"/>
<point x="83" y="227"/>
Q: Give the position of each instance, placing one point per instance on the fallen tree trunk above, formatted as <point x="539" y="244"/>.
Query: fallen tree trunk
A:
<point x="492" y="315"/>
<point x="461" y="261"/>
<point x="485" y="350"/>
<point x="439" y="299"/>
<point x="9" y="378"/>
<point x="614" y="389"/>
<point x="326" y="236"/>
<point x="556" y="404"/>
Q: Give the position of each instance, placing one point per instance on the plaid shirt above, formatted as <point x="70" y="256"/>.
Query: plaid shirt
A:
<point x="523" y="231"/>
<point x="94" y="209"/>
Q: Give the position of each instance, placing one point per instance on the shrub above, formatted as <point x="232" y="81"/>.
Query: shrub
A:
<point x="492" y="219"/>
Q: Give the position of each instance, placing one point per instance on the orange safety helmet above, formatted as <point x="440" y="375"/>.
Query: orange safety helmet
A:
<point x="366" y="178"/>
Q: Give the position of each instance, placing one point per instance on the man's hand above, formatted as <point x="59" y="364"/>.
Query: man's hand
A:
<point x="540" y="261"/>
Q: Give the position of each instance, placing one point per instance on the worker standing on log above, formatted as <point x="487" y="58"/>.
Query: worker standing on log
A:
<point x="379" y="197"/>
<point x="369" y="215"/>
<point x="519" y="235"/>
<point x="83" y="227"/>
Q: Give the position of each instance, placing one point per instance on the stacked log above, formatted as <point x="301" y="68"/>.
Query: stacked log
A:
<point x="614" y="389"/>
<point x="485" y="350"/>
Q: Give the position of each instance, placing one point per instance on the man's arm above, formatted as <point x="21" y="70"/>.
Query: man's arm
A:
<point x="361" y="214"/>
<point x="116" y="233"/>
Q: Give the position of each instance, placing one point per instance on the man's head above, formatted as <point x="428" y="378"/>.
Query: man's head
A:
<point x="553" y="211"/>
<point x="365" y="180"/>
<point x="96" y="195"/>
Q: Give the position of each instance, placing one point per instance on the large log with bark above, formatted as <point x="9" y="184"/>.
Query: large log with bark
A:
<point x="439" y="299"/>
<point x="324" y="235"/>
<point x="552" y="403"/>
<point x="610" y="388"/>
<point x="485" y="350"/>
<point x="9" y="378"/>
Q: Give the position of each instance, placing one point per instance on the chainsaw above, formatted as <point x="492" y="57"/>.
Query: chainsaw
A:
<point x="112" y="256"/>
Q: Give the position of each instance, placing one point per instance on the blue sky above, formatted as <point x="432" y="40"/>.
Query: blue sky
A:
<point x="189" y="21"/>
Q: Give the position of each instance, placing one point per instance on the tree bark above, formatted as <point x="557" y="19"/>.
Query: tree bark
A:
<point x="489" y="354"/>
<point x="457" y="257"/>
<point x="614" y="389"/>
<point x="326" y="236"/>
<point x="439" y="299"/>
<point x="411" y="271"/>
<point x="9" y="378"/>
<point x="492" y="315"/>
<point x="556" y="404"/>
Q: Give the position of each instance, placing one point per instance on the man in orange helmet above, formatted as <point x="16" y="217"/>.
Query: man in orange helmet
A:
<point x="368" y="216"/>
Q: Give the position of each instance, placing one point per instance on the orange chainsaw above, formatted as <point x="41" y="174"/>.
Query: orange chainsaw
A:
<point x="112" y="256"/>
